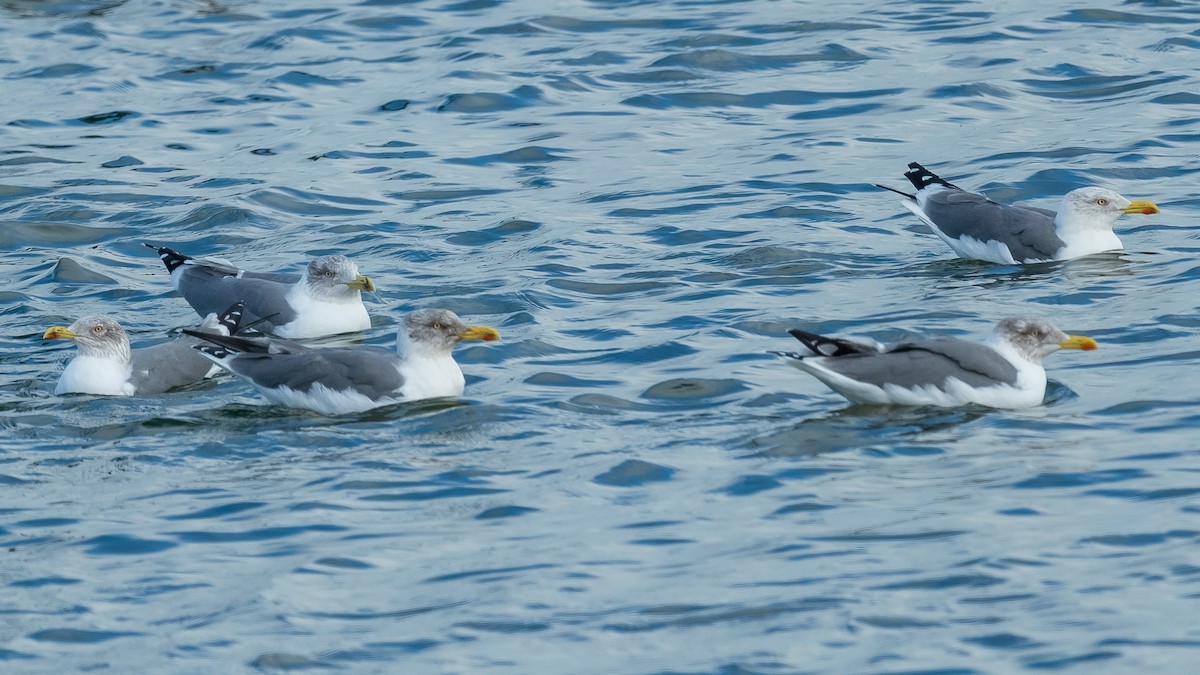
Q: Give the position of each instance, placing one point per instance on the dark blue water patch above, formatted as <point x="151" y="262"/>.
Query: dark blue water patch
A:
<point x="444" y="493"/>
<point x="375" y="652"/>
<point x="1141" y="539"/>
<point x="44" y="581"/>
<point x="724" y="60"/>
<point x="111" y="117"/>
<point x="123" y="544"/>
<point x="284" y="661"/>
<point x="760" y="100"/>
<point x="1146" y="495"/>
<point x="13" y="655"/>
<point x="341" y="563"/>
<point x="78" y="636"/>
<point x="802" y="507"/>
<point x="688" y="616"/>
<point x="650" y="524"/>
<point x="660" y="541"/>
<point x="896" y="622"/>
<point x="1055" y="662"/>
<point x="55" y="71"/>
<point x="508" y="511"/>
<point x="488" y="102"/>
<point x="489" y="575"/>
<point x="1079" y="479"/>
<point x="505" y="627"/>
<point x="551" y="379"/>
<point x="1005" y="641"/>
<point x="750" y="485"/>
<point x="1130" y="642"/>
<point x="504" y="230"/>
<point x="932" y="535"/>
<point x="216" y="511"/>
<point x="1019" y="511"/>
<point x="1123" y="20"/>
<point x="942" y="583"/>
<point x="260" y="534"/>
<point x="395" y="105"/>
<point x="530" y="154"/>
<point x="634" y="473"/>
<point x="122" y="162"/>
<point x="692" y="390"/>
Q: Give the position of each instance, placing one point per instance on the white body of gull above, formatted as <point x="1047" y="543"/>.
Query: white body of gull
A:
<point x="1005" y="372"/>
<point x="106" y="364"/>
<point x="336" y="381"/>
<point x="979" y="228"/>
<point x="325" y="300"/>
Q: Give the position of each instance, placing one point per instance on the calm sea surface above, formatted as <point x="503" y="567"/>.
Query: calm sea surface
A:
<point x="642" y="197"/>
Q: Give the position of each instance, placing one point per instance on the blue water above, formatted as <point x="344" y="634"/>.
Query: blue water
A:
<point x="642" y="197"/>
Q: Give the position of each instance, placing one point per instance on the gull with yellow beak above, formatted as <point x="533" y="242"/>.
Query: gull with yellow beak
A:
<point x="106" y="365"/>
<point x="977" y="227"/>
<point x="340" y="380"/>
<point x="326" y="300"/>
<point x="1005" y="372"/>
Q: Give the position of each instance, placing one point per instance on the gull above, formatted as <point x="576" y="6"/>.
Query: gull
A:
<point x="326" y="300"/>
<point x="106" y="364"/>
<point x="1004" y="372"/>
<point x="977" y="227"/>
<point x="339" y="380"/>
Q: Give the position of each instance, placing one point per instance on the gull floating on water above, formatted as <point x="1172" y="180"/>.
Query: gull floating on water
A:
<point x="342" y="380"/>
<point x="106" y="365"/>
<point x="326" y="300"/>
<point x="977" y="227"/>
<point x="1005" y="372"/>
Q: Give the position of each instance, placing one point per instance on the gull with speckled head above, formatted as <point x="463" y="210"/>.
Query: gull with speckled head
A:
<point x="106" y="365"/>
<point x="979" y="228"/>
<point x="339" y="380"/>
<point x="326" y="300"/>
<point x="1004" y="372"/>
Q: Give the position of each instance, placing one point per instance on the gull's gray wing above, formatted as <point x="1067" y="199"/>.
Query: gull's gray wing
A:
<point x="927" y="363"/>
<point x="1028" y="233"/>
<point x="208" y="290"/>
<point x="370" y="371"/>
<point x="171" y="364"/>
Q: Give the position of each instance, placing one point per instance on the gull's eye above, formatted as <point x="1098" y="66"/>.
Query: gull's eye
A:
<point x="97" y="329"/>
<point x="437" y="325"/>
<point x="1102" y="201"/>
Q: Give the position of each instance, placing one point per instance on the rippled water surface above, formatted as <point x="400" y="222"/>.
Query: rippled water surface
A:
<point x="642" y="197"/>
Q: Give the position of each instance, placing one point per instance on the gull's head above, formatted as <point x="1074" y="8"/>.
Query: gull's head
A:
<point x="1036" y="338"/>
<point x="98" y="336"/>
<point x="1097" y="208"/>
<point x="436" y="331"/>
<point x="336" y="276"/>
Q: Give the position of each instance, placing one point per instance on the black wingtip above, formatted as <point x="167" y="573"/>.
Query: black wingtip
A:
<point x="171" y="258"/>
<point x="215" y="351"/>
<point x="922" y="178"/>
<point x="231" y="318"/>
<point x="820" y="345"/>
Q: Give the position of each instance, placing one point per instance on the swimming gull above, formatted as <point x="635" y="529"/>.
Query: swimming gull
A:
<point x="107" y="365"/>
<point x="977" y="227"/>
<point x="326" y="300"/>
<point x="1005" y="372"/>
<point x="341" y="380"/>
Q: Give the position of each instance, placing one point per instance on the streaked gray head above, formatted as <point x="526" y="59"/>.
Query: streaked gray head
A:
<point x="99" y="336"/>
<point x="1091" y="208"/>
<point x="1034" y="338"/>
<point x="436" y="331"/>
<point x="334" y="276"/>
